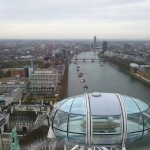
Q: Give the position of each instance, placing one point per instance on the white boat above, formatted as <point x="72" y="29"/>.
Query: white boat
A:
<point x="82" y="80"/>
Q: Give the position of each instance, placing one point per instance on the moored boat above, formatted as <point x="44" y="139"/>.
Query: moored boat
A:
<point x="82" y="80"/>
<point x="85" y="86"/>
<point x="80" y="75"/>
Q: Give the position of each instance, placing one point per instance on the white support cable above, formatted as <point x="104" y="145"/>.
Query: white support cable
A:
<point x="114" y="148"/>
<point x="82" y="148"/>
<point x="123" y="148"/>
<point x="76" y="147"/>
<point x="124" y="122"/>
<point x="91" y="121"/>
<point x="88" y="121"/>
<point x="104" y="148"/>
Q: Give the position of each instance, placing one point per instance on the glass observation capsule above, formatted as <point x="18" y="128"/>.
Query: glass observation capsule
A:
<point x="100" y="119"/>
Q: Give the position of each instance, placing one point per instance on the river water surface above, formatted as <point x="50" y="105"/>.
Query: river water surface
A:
<point x="105" y="77"/>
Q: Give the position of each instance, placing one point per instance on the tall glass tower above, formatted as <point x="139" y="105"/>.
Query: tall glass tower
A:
<point x="104" y="46"/>
<point x="94" y="44"/>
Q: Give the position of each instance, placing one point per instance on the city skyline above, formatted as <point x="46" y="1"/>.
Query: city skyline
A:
<point x="80" y="19"/>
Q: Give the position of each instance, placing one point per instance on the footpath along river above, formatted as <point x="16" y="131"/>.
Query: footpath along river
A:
<point x="105" y="77"/>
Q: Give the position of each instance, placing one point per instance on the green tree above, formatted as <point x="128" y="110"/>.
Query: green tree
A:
<point x="8" y="74"/>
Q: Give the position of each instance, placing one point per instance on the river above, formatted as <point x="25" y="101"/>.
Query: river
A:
<point x="106" y="77"/>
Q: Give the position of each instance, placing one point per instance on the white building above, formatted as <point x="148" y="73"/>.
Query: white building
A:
<point x="4" y="101"/>
<point x="54" y="52"/>
<point x="7" y="98"/>
<point x="133" y="65"/>
<point x="44" y="81"/>
<point x="27" y="117"/>
<point x="3" y="143"/>
<point x="24" y="121"/>
<point x="11" y="83"/>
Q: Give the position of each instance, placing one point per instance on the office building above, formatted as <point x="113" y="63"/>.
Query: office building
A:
<point x="44" y="82"/>
<point x="94" y="44"/>
<point x="28" y="70"/>
<point x="7" y="98"/>
<point x="9" y="84"/>
<point x="104" y="46"/>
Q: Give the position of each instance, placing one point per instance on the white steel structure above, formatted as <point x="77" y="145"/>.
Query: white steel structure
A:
<point x="100" y="121"/>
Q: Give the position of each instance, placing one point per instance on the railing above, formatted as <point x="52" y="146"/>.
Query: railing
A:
<point x="84" y="59"/>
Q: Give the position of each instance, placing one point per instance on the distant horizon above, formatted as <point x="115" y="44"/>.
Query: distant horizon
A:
<point x="74" y="39"/>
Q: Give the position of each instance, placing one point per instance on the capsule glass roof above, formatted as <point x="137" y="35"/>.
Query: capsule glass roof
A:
<point x="100" y="119"/>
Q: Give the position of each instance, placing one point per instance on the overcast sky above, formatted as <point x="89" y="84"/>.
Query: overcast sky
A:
<point x="75" y="19"/>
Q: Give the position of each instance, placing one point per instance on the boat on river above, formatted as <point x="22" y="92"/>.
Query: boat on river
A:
<point x="80" y="75"/>
<point x="85" y="86"/>
<point x="82" y="80"/>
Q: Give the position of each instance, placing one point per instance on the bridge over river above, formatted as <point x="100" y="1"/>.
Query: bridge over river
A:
<point x="86" y="59"/>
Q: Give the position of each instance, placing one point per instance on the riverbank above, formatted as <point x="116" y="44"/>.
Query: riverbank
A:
<point x="120" y="64"/>
<point x="64" y="86"/>
<point x="140" y="78"/>
<point x="125" y="67"/>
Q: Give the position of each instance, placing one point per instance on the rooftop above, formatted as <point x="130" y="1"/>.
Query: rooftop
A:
<point x="45" y="71"/>
<point x="23" y="114"/>
<point x="11" y="80"/>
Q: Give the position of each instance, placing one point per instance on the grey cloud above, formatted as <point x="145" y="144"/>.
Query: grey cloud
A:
<point x="62" y="9"/>
<point x="69" y="14"/>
